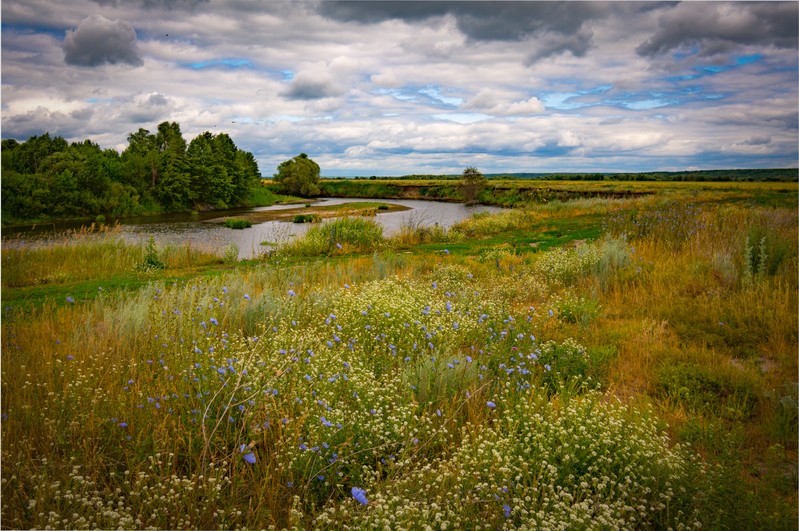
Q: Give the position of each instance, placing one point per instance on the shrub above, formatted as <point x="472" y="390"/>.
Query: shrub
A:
<point x="237" y="223"/>
<point x="151" y="260"/>
<point x="306" y="218"/>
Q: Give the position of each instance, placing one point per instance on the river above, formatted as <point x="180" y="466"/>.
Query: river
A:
<point x="201" y="231"/>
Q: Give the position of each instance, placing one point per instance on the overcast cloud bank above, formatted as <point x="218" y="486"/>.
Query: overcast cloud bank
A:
<point x="388" y="88"/>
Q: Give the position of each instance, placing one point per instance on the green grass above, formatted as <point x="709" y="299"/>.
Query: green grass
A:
<point x="613" y="370"/>
<point x="236" y="223"/>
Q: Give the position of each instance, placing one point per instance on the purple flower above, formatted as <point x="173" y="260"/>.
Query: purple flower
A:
<point x="491" y="404"/>
<point x="338" y="245"/>
<point x="326" y="422"/>
<point x="291" y="293"/>
<point x="246" y="297"/>
<point x="123" y="424"/>
<point x="359" y="495"/>
<point x="70" y="300"/>
<point x="214" y="321"/>
<point x="347" y="286"/>
<point x="506" y="509"/>
<point x="249" y="456"/>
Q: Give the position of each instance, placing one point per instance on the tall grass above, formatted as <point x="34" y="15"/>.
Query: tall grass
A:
<point x="337" y="236"/>
<point x="81" y="256"/>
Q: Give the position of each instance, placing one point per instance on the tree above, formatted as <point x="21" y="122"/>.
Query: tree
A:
<point x="472" y="185"/>
<point x="299" y="176"/>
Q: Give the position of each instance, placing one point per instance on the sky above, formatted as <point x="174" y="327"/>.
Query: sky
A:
<point x="395" y="88"/>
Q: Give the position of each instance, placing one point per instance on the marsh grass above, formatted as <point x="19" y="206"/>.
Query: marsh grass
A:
<point x="628" y="382"/>
<point x="86" y="255"/>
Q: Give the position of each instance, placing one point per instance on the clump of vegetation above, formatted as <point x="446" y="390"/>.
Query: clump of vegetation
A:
<point x="237" y="223"/>
<point x="298" y="176"/>
<point x="306" y="218"/>
<point x="48" y="178"/>
<point x="472" y="185"/>
<point x="151" y="260"/>
<point x="336" y="236"/>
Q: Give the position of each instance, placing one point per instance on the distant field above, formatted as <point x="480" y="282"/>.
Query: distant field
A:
<point x="524" y="191"/>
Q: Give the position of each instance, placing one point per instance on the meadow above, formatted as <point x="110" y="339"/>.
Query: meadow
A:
<point x="598" y="363"/>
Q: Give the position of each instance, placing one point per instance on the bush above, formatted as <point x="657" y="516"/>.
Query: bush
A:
<point x="306" y="218"/>
<point x="151" y="260"/>
<point x="236" y="223"/>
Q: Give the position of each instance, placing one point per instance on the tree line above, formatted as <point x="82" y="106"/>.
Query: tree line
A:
<point x="47" y="177"/>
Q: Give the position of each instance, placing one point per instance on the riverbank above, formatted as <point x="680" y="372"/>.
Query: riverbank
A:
<point x="521" y="192"/>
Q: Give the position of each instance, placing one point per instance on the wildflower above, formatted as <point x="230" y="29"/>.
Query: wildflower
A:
<point x="455" y="326"/>
<point x="291" y="293"/>
<point x="491" y="404"/>
<point x="506" y="509"/>
<point x="338" y="246"/>
<point x="224" y="289"/>
<point x="446" y="251"/>
<point x="70" y="357"/>
<point x="249" y="456"/>
<point x="70" y="300"/>
<point x="347" y="286"/>
<point x="547" y="367"/>
<point x="359" y="495"/>
<point x="326" y="422"/>
<point x="214" y="321"/>
<point x="123" y="424"/>
<point x="246" y="297"/>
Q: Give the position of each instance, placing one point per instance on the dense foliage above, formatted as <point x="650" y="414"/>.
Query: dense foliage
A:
<point x="46" y="177"/>
<point x="298" y="176"/>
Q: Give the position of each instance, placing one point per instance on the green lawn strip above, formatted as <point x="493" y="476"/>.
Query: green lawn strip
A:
<point x="31" y="297"/>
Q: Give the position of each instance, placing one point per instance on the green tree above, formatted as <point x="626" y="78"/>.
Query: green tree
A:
<point x="472" y="185"/>
<point x="299" y="176"/>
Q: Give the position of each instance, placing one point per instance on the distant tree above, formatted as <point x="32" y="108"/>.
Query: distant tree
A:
<point x="299" y="176"/>
<point x="472" y="184"/>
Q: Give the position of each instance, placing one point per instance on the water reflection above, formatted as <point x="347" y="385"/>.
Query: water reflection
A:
<point x="199" y="230"/>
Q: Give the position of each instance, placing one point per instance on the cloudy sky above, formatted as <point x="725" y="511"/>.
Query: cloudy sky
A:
<point x="389" y="88"/>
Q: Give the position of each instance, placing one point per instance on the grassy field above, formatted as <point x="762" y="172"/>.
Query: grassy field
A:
<point x="520" y="192"/>
<point x="612" y="361"/>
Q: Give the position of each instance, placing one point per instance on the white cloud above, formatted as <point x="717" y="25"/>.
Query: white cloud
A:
<point x="411" y="92"/>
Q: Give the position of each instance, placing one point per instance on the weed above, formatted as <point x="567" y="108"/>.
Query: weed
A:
<point x="151" y="260"/>
<point x="236" y="223"/>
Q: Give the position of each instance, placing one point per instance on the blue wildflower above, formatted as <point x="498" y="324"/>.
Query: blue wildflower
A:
<point x="491" y="404"/>
<point x="359" y="495"/>
<point x="506" y="509"/>
<point x="249" y="456"/>
<point x="70" y="300"/>
<point x="291" y="293"/>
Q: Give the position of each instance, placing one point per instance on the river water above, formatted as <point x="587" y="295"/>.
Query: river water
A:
<point x="201" y="231"/>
